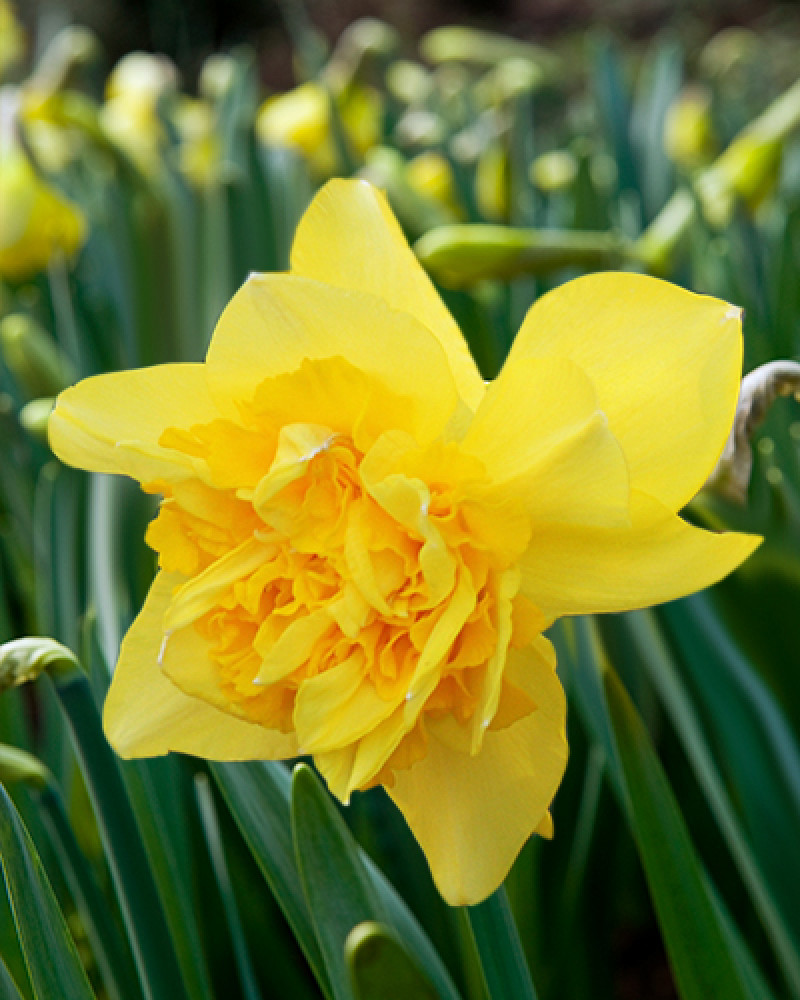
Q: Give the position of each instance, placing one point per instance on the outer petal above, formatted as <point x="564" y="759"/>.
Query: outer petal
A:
<point x="471" y="815"/>
<point x="112" y="423"/>
<point x="145" y="715"/>
<point x="372" y="255"/>
<point x="666" y="365"/>
<point x="276" y="321"/>
<point x="542" y="438"/>
<point x="581" y="570"/>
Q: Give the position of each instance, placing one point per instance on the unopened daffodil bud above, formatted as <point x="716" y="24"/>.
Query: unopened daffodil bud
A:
<point x="217" y="75"/>
<point x="142" y="76"/>
<point x="510" y="79"/>
<point x="32" y="357"/>
<point x="748" y="169"/>
<point x="130" y="118"/>
<point x="33" y="417"/>
<point x="409" y="82"/>
<point x="362" y="53"/>
<point x="23" y="660"/>
<point x="462" y="255"/>
<point x="554" y="171"/>
<point x="688" y="129"/>
<point x="386" y="168"/>
<point x="36" y="221"/>
<point x="759" y="390"/>
<point x="430" y="175"/>
<point x="198" y="155"/>
<point x="492" y="179"/>
<point x="482" y="48"/>
<point x="18" y="765"/>
<point x="65" y="60"/>
<point x="12" y="40"/>
<point x="301" y="120"/>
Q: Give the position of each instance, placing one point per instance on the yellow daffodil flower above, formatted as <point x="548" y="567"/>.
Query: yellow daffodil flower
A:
<point x="12" y="39"/>
<point x="361" y="543"/>
<point x="36" y="221"/>
<point x="130" y="115"/>
<point x="301" y="120"/>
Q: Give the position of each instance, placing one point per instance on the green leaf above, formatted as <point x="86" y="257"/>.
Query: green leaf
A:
<point x="50" y="954"/>
<point x="648" y="647"/>
<point x="8" y="989"/>
<point x="343" y="889"/>
<point x="159" y="803"/>
<point x="110" y="952"/>
<point x="216" y="850"/>
<point x="694" y="939"/>
<point x="380" y="967"/>
<point x="257" y="794"/>
<point x="500" y="949"/>
<point x="757" y="751"/>
<point x="152" y="945"/>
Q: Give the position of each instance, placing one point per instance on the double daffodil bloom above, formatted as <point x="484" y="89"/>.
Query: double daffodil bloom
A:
<point x="361" y="543"/>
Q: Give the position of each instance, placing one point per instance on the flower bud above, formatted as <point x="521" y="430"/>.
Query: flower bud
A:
<point x="32" y="357"/>
<point x="34" y="416"/>
<point x="301" y="120"/>
<point x="461" y="255"/>
<point x="431" y="176"/>
<point x="688" y="129"/>
<point x="492" y="179"/>
<point x="409" y="82"/>
<point x="554" y="171"/>
<point x="36" y="221"/>
<point x="217" y="76"/>
<point x="18" y="765"/>
<point x="759" y="390"/>
<point x="23" y="660"/>
<point x="510" y="79"/>
<point x="362" y="53"/>
<point x="12" y="41"/>
<point x="482" y="48"/>
<point x="386" y="168"/>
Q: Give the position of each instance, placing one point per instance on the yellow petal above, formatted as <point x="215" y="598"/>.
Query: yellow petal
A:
<point x="277" y="321"/>
<point x="665" y="363"/>
<point x="112" y="423"/>
<point x="581" y="570"/>
<point x="202" y="592"/>
<point x="146" y="715"/>
<point x="348" y="237"/>
<point x="471" y="815"/>
<point x="338" y="707"/>
<point x="542" y="438"/>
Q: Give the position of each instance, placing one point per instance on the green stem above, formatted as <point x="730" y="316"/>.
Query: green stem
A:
<point x="500" y="949"/>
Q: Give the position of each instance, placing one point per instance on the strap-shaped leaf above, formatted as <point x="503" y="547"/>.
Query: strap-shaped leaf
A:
<point x="257" y="795"/>
<point x="702" y="964"/>
<point x="8" y="988"/>
<point x="380" y="967"/>
<point x="343" y="891"/>
<point x="54" y="967"/>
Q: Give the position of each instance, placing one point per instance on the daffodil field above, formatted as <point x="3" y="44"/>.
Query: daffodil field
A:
<point x="400" y="518"/>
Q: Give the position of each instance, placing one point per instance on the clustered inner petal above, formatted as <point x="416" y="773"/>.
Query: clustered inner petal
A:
<point x="352" y="585"/>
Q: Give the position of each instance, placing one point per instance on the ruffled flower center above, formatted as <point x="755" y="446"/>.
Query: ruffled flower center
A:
<point x="351" y="587"/>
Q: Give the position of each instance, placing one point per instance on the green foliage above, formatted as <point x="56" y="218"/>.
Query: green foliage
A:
<point x="675" y="854"/>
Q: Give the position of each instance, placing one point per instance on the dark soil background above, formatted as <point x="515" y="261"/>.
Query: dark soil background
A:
<point x="188" y="31"/>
